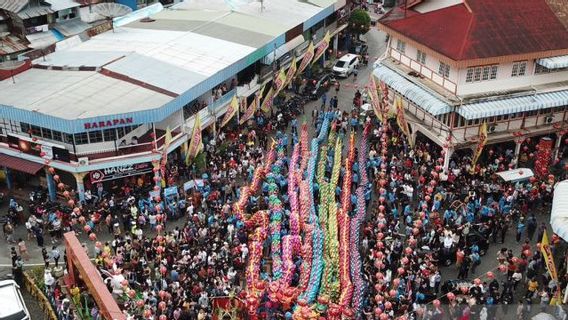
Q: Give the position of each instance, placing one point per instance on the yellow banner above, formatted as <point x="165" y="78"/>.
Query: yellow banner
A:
<point x="480" y="145"/>
<point x="374" y="96"/>
<point x="401" y="119"/>
<point x="321" y="47"/>
<point x="308" y="55"/>
<point x="251" y="109"/>
<point x="267" y="103"/>
<point x="547" y="255"/>
<point x="232" y="109"/>
<point x="291" y="72"/>
<point x="280" y="81"/>
<point x="196" y="144"/>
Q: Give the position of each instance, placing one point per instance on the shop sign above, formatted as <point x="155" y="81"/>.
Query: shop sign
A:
<point x="107" y="123"/>
<point x="120" y="172"/>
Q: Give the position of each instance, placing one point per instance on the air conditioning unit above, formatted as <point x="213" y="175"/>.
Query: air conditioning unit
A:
<point x="492" y="128"/>
<point x="84" y="161"/>
<point x="548" y="119"/>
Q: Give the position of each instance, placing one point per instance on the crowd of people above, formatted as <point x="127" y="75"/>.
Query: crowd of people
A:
<point x="175" y="260"/>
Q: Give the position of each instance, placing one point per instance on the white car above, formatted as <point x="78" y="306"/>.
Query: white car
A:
<point x="12" y="306"/>
<point x="345" y="65"/>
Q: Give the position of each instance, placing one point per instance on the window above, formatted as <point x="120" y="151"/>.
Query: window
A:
<point x="95" y="136"/>
<point x="109" y="134"/>
<point x="57" y="135"/>
<point x="46" y="133"/>
<point x="68" y="138"/>
<point x="469" y="75"/>
<point x="81" y="138"/>
<point x="486" y="70"/>
<point x="25" y="127"/>
<point x="421" y="57"/>
<point x="444" y="70"/>
<point x="481" y="73"/>
<point x="519" y="69"/>
<point x="400" y="45"/>
<point x="36" y="131"/>
<point x="477" y="75"/>
<point x="493" y="73"/>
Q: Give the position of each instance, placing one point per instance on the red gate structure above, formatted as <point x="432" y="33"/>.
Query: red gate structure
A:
<point x="78" y="261"/>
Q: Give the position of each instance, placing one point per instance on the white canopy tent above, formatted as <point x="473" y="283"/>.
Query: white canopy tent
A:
<point x="515" y="175"/>
<point x="559" y="213"/>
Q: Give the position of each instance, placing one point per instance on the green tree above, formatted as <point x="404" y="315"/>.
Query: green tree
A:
<point x="359" y="21"/>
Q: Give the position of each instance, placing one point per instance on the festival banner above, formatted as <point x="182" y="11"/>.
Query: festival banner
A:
<point x="196" y="144"/>
<point x="385" y="98"/>
<point x="232" y="109"/>
<point x="164" y="160"/>
<point x="401" y="119"/>
<point x="267" y="103"/>
<point x="251" y="109"/>
<point x="548" y="257"/>
<point x="480" y="145"/>
<point x="291" y="71"/>
<point x="308" y="55"/>
<point x="321" y="47"/>
<point x="374" y="96"/>
<point x="280" y="81"/>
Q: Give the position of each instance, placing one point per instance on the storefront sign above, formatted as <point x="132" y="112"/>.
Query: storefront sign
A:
<point x="107" y="124"/>
<point x="120" y="172"/>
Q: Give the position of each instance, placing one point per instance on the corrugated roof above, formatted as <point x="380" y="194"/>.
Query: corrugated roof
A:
<point x="513" y="105"/>
<point x="71" y="27"/>
<point x="411" y="91"/>
<point x="11" y="44"/>
<point x="58" y="5"/>
<point x="32" y="12"/>
<point x="13" y="5"/>
<point x="554" y="62"/>
<point x="491" y="29"/>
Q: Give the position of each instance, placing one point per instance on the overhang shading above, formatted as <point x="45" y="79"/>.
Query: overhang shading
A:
<point x="19" y="164"/>
<point x="557" y="62"/>
<point x="411" y="91"/>
<point x="559" y="212"/>
<point x="513" y="105"/>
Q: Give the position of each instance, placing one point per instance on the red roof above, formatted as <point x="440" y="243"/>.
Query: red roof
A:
<point x="492" y="29"/>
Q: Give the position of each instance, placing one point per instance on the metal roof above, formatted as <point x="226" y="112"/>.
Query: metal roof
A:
<point x="71" y="27"/>
<point x="32" y="12"/>
<point x="13" y="5"/>
<point x="411" y="91"/>
<point x="554" y="62"/>
<point x="58" y="5"/>
<point x="559" y="212"/>
<point x="513" y="105"/>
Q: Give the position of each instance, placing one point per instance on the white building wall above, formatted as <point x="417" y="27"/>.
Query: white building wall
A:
<point x="506" y="82"/>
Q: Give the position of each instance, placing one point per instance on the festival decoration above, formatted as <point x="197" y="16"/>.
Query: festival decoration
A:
<point x="482" y="141"/>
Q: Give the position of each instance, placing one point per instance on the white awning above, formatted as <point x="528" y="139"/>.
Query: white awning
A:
<point x="516" y="174"/>
<point x="554" y="62"/>
<point x="71" y="27"/>
<point x="283" y="49"/>
<point x="411" y="91"/>
<point x="41" y="40"/>
<point x="513" y="105"/>
<point x="559" y="213"/>
<point x="58" y="5"/>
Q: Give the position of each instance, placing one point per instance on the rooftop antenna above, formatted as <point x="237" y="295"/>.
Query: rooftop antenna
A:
<point x="11" y="65"/>
<point x="111" y="10"/>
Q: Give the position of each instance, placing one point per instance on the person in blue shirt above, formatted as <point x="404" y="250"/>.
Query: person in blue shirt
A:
<point x="520" y="229"/>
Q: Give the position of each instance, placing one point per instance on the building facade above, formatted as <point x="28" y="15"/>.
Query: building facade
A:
<point x="460" y="63"/>
<point x="98" y="109"/>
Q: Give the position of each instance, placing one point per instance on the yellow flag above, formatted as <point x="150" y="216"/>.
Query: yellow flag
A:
<point x="401" y="119"/>
<point x="280" y="81"/>
<point x="480" y="145"/>
<point x="374" y="96"/>
<point x="291" y="71"/>
<point x="547" y="255"/>
<point x="196" y="144"/>
<point x="251" y="110"/>
<point x="232" y="109"/>
<point x="308" y="55"/>
<point x="267" y="103"/>
<point x="321" y="47"/>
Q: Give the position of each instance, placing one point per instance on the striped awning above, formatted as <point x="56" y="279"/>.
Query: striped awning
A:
<point x="554" y="62"/>
<point x="513" y="105"/>
<point x="411" y="91"/>
<point x="559" y="212"/>
<point x="283" y="49"/>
